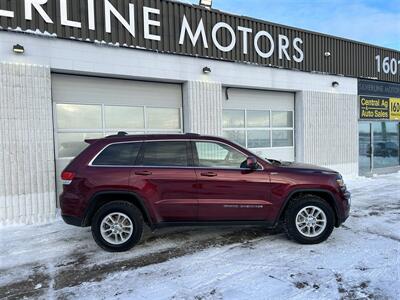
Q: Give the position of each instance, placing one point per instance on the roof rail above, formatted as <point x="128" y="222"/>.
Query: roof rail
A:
<point x="119" y="134"/>
<point x="192" y="134"/>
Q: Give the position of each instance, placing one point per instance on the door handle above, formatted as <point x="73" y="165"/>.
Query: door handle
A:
<point x="209" y="174"/>
<point x="143" y="173"/>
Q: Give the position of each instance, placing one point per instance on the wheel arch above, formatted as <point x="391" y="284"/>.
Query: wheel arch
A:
<point x="324" y="194"/>
<point x="103" y="197"/>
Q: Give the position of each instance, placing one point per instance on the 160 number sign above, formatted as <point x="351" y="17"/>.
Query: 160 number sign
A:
<point x="387" y="64"/>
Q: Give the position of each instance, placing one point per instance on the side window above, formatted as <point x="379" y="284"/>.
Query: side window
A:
<point x="215" y="155"/>
<point x="118" y="155"/>
<point x="165" y="154"/>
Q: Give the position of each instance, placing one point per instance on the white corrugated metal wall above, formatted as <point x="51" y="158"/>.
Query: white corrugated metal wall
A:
<point x="202" y="104"/>
<point x="27" y="187"/>
<point x="327" y="130"/>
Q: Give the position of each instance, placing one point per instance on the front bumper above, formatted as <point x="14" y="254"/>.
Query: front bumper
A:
<point x="346" y="206"/>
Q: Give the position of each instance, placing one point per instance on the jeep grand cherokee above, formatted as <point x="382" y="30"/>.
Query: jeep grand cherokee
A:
<point x="120" y="182"/>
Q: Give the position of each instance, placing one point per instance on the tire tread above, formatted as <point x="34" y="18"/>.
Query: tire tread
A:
<point x="133" y="212"/>
<point x="291" y="211"/>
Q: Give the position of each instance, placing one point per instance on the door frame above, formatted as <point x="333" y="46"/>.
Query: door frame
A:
<point x="372" y="169"/>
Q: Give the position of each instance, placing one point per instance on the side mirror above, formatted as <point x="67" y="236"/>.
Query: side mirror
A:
<point x="252" y="163"/>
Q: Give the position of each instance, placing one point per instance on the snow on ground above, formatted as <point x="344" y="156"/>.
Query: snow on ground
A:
<point x="361" y="260"/>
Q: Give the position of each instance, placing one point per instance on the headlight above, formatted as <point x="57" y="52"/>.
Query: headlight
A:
<point x="341" y="183"/>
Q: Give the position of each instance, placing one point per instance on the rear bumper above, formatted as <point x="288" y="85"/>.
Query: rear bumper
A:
<point x="71" y="211"/>
<point x="72" y="220"/>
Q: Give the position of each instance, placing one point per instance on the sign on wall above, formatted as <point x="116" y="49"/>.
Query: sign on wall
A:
<point x="179" y="28"/>
<point x="374" y="108"/>
<point x="395" y="109"/>
<point x="379" y="100"/>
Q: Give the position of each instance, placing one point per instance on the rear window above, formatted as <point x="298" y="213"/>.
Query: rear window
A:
<point x="118" y="155"/>
<point x="168" y="154"/>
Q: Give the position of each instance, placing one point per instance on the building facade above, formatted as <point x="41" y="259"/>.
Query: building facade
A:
<point x="87" y="69"/>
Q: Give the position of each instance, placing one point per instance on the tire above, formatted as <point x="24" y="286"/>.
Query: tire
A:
<point x="113" y="235"/>
<point x="310" y="230"/>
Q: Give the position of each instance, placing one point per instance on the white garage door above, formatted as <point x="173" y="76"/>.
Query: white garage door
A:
<point x="262" y="121"/>
<point x="91" y="107"/>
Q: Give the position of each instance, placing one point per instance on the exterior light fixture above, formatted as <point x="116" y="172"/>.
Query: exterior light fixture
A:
<point x="206" y="70"/>
<point x="18" y="48"/>
<point x="206" y="3"/>
<point x="327" y="54"/>
<point x="335" y="84"/>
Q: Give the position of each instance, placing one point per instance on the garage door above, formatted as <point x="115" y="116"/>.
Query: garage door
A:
<point x="262" y="121"/>
<point x="91" y="107"/>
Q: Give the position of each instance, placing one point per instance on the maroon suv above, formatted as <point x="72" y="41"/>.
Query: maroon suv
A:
<point x="120" y="182"/>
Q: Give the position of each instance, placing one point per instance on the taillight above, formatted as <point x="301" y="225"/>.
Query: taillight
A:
<point x="67" y="177"/>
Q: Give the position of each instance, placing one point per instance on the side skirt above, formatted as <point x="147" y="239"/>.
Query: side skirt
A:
<point x="214" y="223"/>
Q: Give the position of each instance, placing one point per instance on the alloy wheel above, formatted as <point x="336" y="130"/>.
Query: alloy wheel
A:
<point x="116" y="228"/>
<point x="311" y="221"/>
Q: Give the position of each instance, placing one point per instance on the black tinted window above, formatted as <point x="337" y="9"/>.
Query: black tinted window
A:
<point x="165" y="154"/>
<point x="118" y="155"/>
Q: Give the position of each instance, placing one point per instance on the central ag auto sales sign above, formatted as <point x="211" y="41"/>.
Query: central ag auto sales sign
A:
<point x="178" y="28"/>
<point x="379" y="100"/>
<point x="379" y="108"/>
<point x="374" y="108"/>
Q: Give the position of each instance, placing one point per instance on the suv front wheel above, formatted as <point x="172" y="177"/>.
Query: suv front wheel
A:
<point x="117" y="226"/>
<point x="309" y="219"/>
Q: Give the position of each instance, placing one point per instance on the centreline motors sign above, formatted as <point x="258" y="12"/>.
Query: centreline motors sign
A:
<point x="381" y="100"/>
<point x="146" y="23"/>
<point x="178" y="28"/>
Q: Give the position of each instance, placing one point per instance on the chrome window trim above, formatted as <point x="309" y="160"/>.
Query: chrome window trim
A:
<point x="162" y="167"/>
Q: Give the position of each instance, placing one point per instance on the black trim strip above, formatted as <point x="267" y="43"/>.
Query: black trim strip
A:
<point x="215" y="223"/>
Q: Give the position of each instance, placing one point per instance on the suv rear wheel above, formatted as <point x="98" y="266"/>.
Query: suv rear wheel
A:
<point x="309" y="219"/>
<point x="117" y="226"/>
